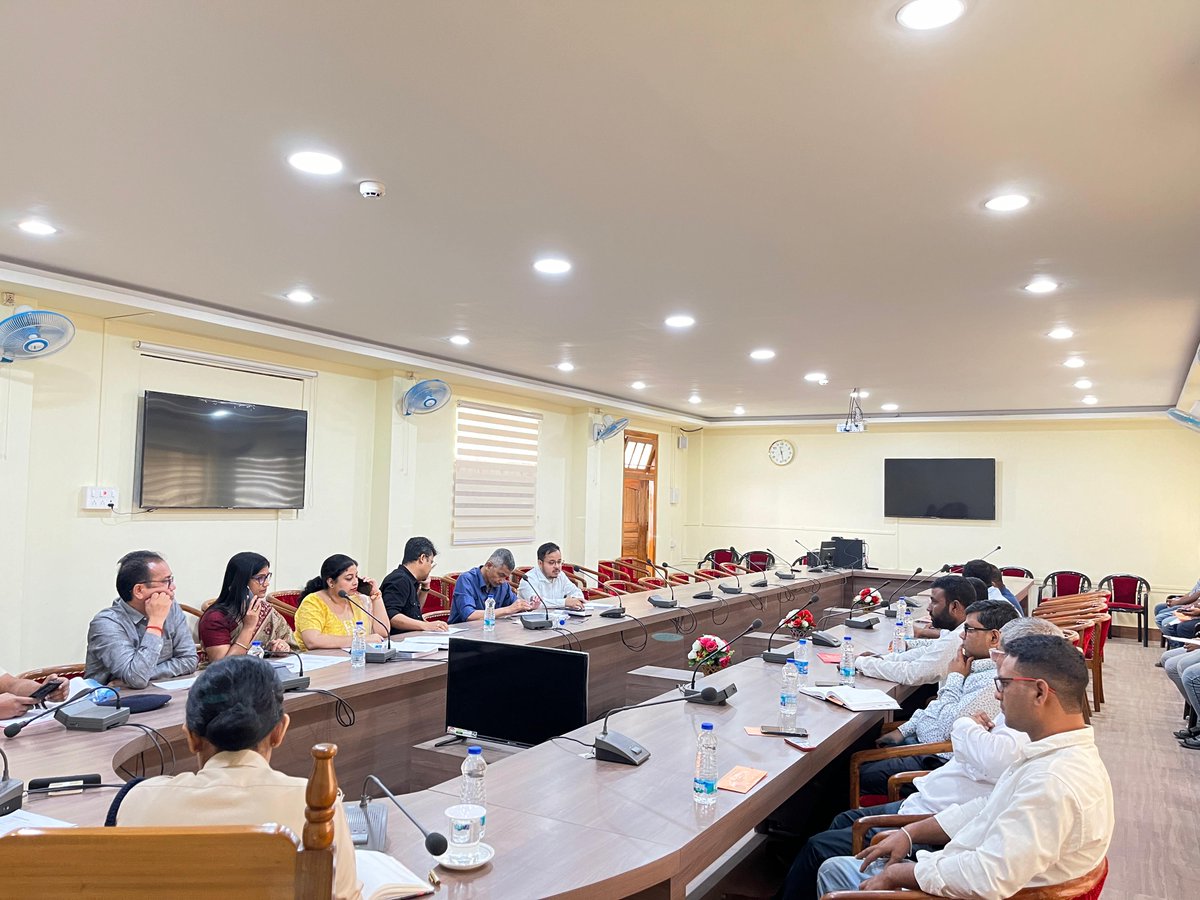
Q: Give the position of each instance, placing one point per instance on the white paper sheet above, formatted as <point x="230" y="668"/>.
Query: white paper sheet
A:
<point x="23" y="818"/>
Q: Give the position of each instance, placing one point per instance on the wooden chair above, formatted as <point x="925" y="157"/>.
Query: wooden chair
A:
<point x="865" y="756"/>
<point x="652" y="583"/>
<point x="1015" y="572"/>
<point x="732" y="568"/>
<point x="121" y="863"/>
<point x="575" y="580"/>
<point x="286" y="598"/>
<point x="714" y="558"/>
<point x="598" y="594"/>
<point x="1064" y="581"/>
<point x="1131" y="594"/>
<point x="620" y="586"/>
<point x="66" y="670"/>
<point x="437" y="615"/>
<point x="616" y="570"/>
<point x="709" y="574"/>
<point x="574" y="569"/>
<point x="435" y="601"/>
<point x="757" y="560"/>
<point x="515" y="578"/>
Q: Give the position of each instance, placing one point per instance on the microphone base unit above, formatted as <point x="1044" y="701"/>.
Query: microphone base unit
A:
<point x="776" y="657"/>
<point x="702" y="595"/>
<point x="730" y="589"/>
<point x="614" y="747"/>
<point x="536" y="622"/>
<point x="825" y="639"/>
<point x="11" y="793"/>
<point x="295" y="683"/>
<point x="92" y="718"/>
<point x="762" y="582"/>
<point x="692" y="695"/>
<point x="661" y="602"/>
<point x="368" y="825"/>
<point x="784" y="575"/>
<point x="615" y="613"/>
<point x="869" y="621"/>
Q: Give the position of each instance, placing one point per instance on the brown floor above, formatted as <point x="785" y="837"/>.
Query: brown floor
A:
<point x="1156" y="787"/>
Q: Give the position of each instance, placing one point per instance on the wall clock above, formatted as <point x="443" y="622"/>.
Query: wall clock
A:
<point x="781" y="452"/>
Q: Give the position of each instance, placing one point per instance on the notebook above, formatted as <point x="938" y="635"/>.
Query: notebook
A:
<point x="386" y="878"/>
<point x="854" y="699"/>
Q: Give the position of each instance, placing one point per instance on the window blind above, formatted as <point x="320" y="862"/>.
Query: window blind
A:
<point x="495" y="475"/>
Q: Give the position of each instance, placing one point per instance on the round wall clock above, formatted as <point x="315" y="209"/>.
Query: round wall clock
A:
<point x="781" y="452"/>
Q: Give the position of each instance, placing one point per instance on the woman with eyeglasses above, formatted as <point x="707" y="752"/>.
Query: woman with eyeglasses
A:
<point x="241" y="614"/>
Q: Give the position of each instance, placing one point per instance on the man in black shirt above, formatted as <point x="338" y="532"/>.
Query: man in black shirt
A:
<point x="404" y="588"/>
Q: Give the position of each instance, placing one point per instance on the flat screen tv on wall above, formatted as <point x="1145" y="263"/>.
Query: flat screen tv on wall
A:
<point x="939" y="488"/>
<point x="197" y="453"/>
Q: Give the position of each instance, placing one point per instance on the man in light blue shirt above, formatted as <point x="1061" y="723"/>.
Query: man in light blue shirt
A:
<point x="473" y="588"/>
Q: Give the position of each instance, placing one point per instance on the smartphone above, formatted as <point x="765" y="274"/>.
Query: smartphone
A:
<point x="46" y="690"/>
<point x="786" y="732"/>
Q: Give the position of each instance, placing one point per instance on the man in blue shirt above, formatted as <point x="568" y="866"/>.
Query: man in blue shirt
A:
<point x="473" y="588"/>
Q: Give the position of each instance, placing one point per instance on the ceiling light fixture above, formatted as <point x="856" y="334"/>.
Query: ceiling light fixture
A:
<point x="1007" y="203"/>
<point x="299" y="295"/>
<point x="1061" y="333"/>
<point x="695" y="398"/>
<point x="552" y="265"/>
<point x="679" y="321"/>
<point x="1042" y="285"/>
<point x="739" y="410"/>
<point x="1090" y="400"/>
<point x="1073" y="362"/>
<point x="1084" y="384"/>
<point x="315" y="163"/>
<point x="889" y="407"/>
<point x="762" y="354"/>
<point x="817" y="377"/>
<point x="638" y="385"/>
<point x="860" y="395"/>
<point x="566" y="367"/>
<point x="922" y="15"/>
<point x="38" y="227"/>
<point x="459" y="340"/>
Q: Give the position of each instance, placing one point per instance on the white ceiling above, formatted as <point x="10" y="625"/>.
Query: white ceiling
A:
<point x="803" y="175"/>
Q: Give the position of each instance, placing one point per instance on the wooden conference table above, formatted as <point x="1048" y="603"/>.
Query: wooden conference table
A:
<point x="562" y="825"/>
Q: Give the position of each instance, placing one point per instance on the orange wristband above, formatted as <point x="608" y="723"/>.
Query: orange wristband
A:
<point x="157" y="628"/>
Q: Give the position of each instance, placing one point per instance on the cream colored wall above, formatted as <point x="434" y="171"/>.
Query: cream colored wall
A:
<point x="1098" y="496"/>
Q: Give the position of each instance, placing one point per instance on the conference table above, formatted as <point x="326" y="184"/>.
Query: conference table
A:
<point x="562" y="824"/>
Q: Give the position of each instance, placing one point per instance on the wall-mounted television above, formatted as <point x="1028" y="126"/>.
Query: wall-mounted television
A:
<point x="552" y="699"/>
<point x="198" y="453"/>
<point x="939" y="488"/>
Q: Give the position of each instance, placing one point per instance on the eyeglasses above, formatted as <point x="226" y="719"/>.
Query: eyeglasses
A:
<point x="169" y="581"/>
<point x="262" y="579"/>
<point x="1002" y="683"/>
<point x="969" y="628"/>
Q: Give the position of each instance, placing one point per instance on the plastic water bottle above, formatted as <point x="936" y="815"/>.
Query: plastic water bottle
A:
<point x="256" y="649"/>
<point x="801" y="661"/>
<point x="704" y="785"/>
<point x="788" y="689"/>
<point x="489" y="614"/>
<point x="472" y="789"/>
<point x="901" y="609"/>
<point x="909" y="634"/>
<point x="358" y="647"/>
<point x="846" y="667"/>
<point x="898" y="636"/>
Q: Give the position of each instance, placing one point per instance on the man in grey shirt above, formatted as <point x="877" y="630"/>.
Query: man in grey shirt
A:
<point x="144" y="635"/>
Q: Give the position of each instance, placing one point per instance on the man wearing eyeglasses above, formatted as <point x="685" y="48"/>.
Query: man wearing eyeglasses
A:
<point x="144" y="636"/>
<point x="1048" y="820"/>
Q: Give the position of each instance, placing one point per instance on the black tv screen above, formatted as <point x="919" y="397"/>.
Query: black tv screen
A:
<point x="551" y="695"/>
<point x="939" y="488"/>
<point x="197" y="453"/>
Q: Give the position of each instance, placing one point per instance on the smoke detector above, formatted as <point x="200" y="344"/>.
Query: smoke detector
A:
<point x="371" y="189"/>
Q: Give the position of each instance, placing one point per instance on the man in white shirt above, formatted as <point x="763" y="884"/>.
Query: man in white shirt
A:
<point x="1048" y="820"/>
<point x="547" y="583"/>
<point x="927" y="661"/>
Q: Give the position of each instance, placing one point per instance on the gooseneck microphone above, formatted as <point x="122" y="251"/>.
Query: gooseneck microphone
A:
<point x="787" y="571"/>
<point x="737" y="588"/>
<point x="610" y="746"/>
<point x="435" y="842"/>
<point x="903" y="585"/>
<point x="811" y="556"/>
<point x="292" y="682"/>
<point x="657" y="600"/>
<point x="533" y="621"/>
<point x="990" y="552"/>
<point x="778" y="657"/>
<point x="373" y="656"/>
<point x="722" y="694"/>
<point x="705" y="594"/>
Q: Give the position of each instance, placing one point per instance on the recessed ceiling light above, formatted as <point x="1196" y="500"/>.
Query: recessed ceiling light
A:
<point x="762" y="354"/>
<point x="460" y="340"/>
<point x="889" y="407"/>
<point x="38" y="227"/>
<point x="1042" y="285"/>
<point x="299" y="295"/>
<point x="1061" y="333"/>
<point x="860" y="395"/>
<point x="739" y="410"/>
<point x="638" y="385"/>
<point x="817" y="377"/>
<point x="566" y="367"/>
<point x="1090" y="400"/>
<point x="921" y="15"/>
<point x="1083" y="384"/>
<point x="1073" y="362"/>
<point x="695" y="398"/>
<point x="680" y="321"/>
<point x="1007" y="203"/>
<point x="553" y="265"/>
<point x="315" y="163"/>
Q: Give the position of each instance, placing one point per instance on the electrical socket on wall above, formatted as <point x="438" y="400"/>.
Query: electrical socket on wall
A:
<point x="99" y="498"/>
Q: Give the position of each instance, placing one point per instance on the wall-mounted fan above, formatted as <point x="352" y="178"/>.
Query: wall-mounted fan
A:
<point x="602" y="431"/>
<point x="29" y="333"/>
<point x="424" y="397"/>
<point x="1189" y="420"/>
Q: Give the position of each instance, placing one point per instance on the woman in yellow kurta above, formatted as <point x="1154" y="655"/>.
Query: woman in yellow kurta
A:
<point x="325" y="620"/>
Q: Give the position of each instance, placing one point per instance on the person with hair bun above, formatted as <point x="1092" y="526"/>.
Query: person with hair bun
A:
<point x="234" y="720"/>
<point x="325" y="620"/>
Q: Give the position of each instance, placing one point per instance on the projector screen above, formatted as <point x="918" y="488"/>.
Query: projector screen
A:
<point x="939" y="488"/>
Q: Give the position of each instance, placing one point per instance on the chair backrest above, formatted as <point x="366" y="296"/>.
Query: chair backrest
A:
<point x="758" y="560"/>
<point x="1132" y="590"/>
<point x="1015" y="572"/>
<point x="956" y="570"/>
<point x="66" y="670"/>
<point x="119" y="863"/>
<point x="193" y="621"/>
<point x="514" y="579"/>
<point x="1067" y="581"/>
<point x="437" y="615"/>
<point x="714" y="558"/>
<point x="288" y="612"/>
<point x="591" y="593"/>
<point x="731" y="568"/>
<point x="709" y="574"/>
<point x="679" y="578"/>
<point x="288" y="598"/>
<point x="653" y="582"/>
<point x="435" y="601"/>
<point x="620" y="586"/>
<point x="616" y="570"/>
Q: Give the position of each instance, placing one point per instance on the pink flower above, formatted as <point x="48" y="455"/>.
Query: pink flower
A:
<point x="724" y="662"/>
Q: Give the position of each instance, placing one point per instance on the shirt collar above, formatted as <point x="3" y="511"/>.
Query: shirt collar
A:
<point x="982" y="665"/>
<point x="126" y="609"/>
<point x="232" y="759"/>
<point x="1076" y="737"/>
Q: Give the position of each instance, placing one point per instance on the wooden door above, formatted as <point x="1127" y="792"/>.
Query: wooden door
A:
<point x="638" y="500"/>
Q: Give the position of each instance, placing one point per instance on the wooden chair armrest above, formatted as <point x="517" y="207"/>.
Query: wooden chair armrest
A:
<point x="898" y="781"/>
<point x="866" y="756"/>
<point x="866" y="823"/>
<point x="890" y="726"/>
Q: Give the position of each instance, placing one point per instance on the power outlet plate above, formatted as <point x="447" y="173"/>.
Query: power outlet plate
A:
<point x="99" y="498"/>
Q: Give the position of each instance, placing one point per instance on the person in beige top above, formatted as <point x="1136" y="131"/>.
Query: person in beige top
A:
<point x="235" y="719"/>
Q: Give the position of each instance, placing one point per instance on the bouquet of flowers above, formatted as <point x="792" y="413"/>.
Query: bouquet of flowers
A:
<point x="800" y="625"/>
<point x="868" y="598"/>
<point x="710" y="644"/>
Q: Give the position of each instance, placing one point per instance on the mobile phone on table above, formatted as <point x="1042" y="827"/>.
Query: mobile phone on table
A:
<point x="786" y="732"/>
<point x="46" y="690"/>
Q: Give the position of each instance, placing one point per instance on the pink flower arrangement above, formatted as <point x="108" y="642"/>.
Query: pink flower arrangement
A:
<point x="705" y="645"/>
<point x="801" y="625"/>
<point x="868" y="597"/>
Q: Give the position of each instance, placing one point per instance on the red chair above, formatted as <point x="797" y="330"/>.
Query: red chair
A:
<point x="435" y="601"/>
<point x="444" y="584"/>
<point x="1015" y="572"/>
<point x="615" y="569"/>
<point x="679" y="578"/>
<point x="620" y="586"/>
<point x="757" y="560"/>
<point x="598" y="594"/>
<point x="1130" y="593"/>
<point x="956" y="570"/>
<point x="714" y="558"/>
<point x="1065" y="582"/>
<point x="515" y="578"/>
<point x="576" y="572"/>
<point x="288" y="598"/>
<point x="732" y="569"/>
<point x="652" y="583"/>
<point x="709" y="574"/>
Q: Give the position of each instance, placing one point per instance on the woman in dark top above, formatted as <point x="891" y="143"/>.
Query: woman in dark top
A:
<point x="241" y="614"/>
